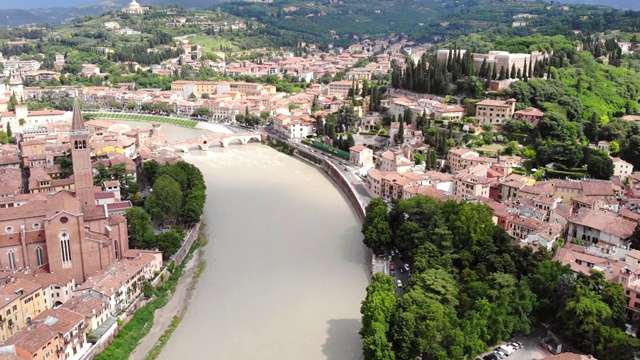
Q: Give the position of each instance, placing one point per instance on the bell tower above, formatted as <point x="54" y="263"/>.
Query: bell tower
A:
<point x="81" y="158"/>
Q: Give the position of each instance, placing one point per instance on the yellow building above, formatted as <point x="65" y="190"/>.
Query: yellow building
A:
<point x="20" y="302"/>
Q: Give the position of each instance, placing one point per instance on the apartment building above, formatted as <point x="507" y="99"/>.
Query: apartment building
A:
<point x="495" y="111"/>
<point x="601" y="227"/>
<point x="621" y="168"/>
<point x="530" y="115"/>
<point x="23" y="302"/>
<point x="360" y="156"/>
<point x="339" y="88"/>
<point x="471" y="186"/>
<point x="394" y="162"/>
<point x="55" y="334"/>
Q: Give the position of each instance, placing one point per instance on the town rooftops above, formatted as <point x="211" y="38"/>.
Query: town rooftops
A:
<point x="357" y="148"/>
<point x="504" y="103"/>
<point x="530" y="111"/>
<point x="44" y="328"/>
<point x="605" y="221"/>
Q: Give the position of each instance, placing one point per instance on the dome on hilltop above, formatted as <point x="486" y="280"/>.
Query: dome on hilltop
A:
<point x="134" y="4"/>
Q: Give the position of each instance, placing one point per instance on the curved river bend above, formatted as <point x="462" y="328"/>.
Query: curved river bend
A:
<point x="286" y="268"/>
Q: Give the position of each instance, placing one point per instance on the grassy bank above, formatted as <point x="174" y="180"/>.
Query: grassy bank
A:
<point x="140" y="117"/>
<point x="130" y="335"/>
<point x="155" y="352"/>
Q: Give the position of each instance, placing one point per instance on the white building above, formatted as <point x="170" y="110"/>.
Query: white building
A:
<point x="601" y="227"/>
<point x="621" y="168"/>
<point x="361" y="156"/>
<point x="135" y="8"/>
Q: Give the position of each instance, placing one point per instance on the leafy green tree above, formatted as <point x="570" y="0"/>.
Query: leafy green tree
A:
<point x="66" y="165"/>
<point x="350" y="141"/>
<point x="631" y="152"/>
<point x="139" y="226"/>
<point x="512" y="148"/>
<point x="635" y="238"/>
<point x="166" y="198"/>
<point x="377" y="309"/>
<point x="600" y="166"/>
<point x="150" y="171"/>
<point x="377" y="234"/>
<point x="418" y="158"/>
<point x="193" y="207"/>
<point x="202" y="112"/>
<point x="169" y="242"/>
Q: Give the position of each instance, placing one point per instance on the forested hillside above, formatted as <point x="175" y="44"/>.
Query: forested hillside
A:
<point x="471" y="287"/>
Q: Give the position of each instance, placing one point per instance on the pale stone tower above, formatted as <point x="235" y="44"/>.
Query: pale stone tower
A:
<point x="81" y="158"/>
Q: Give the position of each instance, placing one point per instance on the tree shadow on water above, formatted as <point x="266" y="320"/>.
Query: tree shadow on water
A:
<point x="343" y="341"/>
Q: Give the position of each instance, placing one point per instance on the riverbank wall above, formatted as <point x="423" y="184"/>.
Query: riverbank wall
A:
<point x="329" y="168"/>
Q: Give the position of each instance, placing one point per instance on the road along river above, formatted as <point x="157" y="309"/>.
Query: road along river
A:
<point x="286" y="268"/>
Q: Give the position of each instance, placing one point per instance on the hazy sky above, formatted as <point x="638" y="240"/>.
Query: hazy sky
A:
<point x="30" y="4"/>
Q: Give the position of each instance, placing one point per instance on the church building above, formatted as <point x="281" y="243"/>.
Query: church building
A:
<point x="135" y="8"/>
<point x="64" y="232"/>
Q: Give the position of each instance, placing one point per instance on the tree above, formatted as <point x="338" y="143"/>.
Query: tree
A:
<point x="166" y="198"/>
<point x="631" y="152"/>
<point x="512" y="148"/>
<point x="376" y="230"/>
<point x="193" y="206"/>
<point x="202" y="112"/>
<point x="418" y="158"/>
<point x="600" y="166"/>
<point x="350" y="141"/>
<point x="169" y="242"/>
<point x="9" y="133"/>
<point x="66" y="165"/>
<point x="635" y="238"/>
<point x="431" y="161"/>
<point x="150" y="171"/>
<point x="377" y="309"/>
<point x="139" y="225"/>
<point x="399" y="136"/>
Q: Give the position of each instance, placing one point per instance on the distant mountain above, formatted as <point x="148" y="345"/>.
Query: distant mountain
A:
<point x="53" y="16"/>
<point x="618" y="4"/>
<point x="56" y="12"/>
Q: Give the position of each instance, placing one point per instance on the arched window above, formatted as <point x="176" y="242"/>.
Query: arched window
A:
<point x="65" y="249"/>
<point x="116" y="247"/>
<point x="39" y="256"/>
<point x="12" y="260"/>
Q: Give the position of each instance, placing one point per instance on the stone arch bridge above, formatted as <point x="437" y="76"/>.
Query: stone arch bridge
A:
<point x="205" y="141"/>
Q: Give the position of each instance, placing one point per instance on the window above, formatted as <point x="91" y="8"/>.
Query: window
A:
<point x="39" y="256"/>
<point x="116" y="247"/>
<point x="12" y="260"/>
<point x="65" y="247"/>
<point x="9" y="229"/>
<point x="36" y="226"/>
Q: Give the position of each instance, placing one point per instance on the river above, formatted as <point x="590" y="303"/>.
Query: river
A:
<point x="286" y="268"/>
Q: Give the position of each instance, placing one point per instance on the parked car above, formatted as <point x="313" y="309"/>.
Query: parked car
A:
<point x="406" y="267"/>
<point x="506" y="349"/>
<point x="520" y="344"/>
<point x="499" y="353"/>
<point x="399" y="283"/>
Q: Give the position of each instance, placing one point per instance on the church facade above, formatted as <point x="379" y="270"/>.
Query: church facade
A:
<point x="65" y="232"/>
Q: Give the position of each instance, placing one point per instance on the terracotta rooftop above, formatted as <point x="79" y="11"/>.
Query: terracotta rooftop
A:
<point x="605" y="221"/>
<point x="44" y="328"/>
